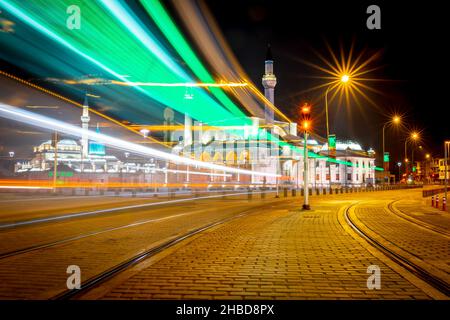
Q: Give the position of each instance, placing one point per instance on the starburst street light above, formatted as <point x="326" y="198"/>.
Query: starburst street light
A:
<point x="414" y="136"/>
<point x="394" y="120"/>
<point x="345" y="78"/>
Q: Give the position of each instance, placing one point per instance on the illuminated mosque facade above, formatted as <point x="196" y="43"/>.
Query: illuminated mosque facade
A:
<point x="249" y="149"/>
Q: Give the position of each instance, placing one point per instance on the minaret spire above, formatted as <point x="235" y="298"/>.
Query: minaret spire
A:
<point x="269" y="82"/>
<point x="85" y="126"/>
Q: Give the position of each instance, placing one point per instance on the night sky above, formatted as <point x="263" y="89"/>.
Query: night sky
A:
<point x="413" y="59"/>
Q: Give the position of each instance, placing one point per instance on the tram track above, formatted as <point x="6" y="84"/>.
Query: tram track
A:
<point x="399" y="213"/>
<point x="389" y="250"/>
<point x="69" y="216"/>
<point x="51" y="244"/>
<point x="115" y="270"/>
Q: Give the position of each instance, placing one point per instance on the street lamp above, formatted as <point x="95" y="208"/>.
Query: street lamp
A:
<point x="306" y="127"/>
<point x="446" y="152"/>
<point x="145" y="132"/>
<point x="394" y="120"/>
<point x="345" y="78"/>
<point x="413" y="136"/>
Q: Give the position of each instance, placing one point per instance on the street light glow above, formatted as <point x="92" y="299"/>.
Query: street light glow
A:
<point x="396" y="119"/>
<point x="345" y="78"/>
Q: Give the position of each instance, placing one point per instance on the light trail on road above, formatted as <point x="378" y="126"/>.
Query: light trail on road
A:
<point x="96" y="212"/>
<point x="17" y="114"/>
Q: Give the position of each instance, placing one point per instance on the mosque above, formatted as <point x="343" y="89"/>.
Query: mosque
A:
<point x="248" y="148"/>
<point x="75" y="156"/>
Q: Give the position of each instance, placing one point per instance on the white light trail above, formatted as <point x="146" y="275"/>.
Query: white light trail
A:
<point x="194" y="172"/>
<point x="27" y="117"/>
<point x="24" y="187"/>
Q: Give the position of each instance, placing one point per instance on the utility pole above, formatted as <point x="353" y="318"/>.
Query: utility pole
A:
<point x="446" y="147"/>
<point x="306" y="173"/>
<point x="55" y="160"/>
<point x="306" y="124"/>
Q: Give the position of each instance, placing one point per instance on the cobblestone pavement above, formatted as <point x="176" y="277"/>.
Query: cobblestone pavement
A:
<point x="426" y="213"/>
<point x="280" y="253"/>
<point x="430" y="247"/>
<point x="42" y="273"/>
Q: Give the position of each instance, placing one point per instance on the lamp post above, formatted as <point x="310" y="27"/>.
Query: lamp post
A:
<point x="344" y="79"/>
<point x="446" y="151"/>
<point x="55" y="160"/>
<point x="427" y="167"/>
<point x="394" y="120"/>
<point x="305" y="124"/>
<point x="413" y="136"/>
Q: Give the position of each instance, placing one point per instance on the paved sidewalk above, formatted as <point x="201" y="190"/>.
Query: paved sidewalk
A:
<point x="277" y="253"/>
<point x="433" y="249"/>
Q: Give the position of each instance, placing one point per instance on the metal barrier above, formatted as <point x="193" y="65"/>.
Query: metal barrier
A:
<point x="432" y="192"/>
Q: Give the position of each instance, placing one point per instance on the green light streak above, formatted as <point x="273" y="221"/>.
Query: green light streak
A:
<point x="103" y="41"/>
<point x="176" y="39"/>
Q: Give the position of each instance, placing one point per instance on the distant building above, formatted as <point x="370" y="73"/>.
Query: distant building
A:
<point x="83" y="156"/>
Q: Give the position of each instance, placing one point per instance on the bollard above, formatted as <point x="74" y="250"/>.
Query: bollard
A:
<point x="346" y="189"/>
<point x="249" y="194"/>
<point x="444" y="203"/>
<point x="317" y="192"/>
<point x="302" y="192"/>
<point x="263" y="193"/>
<point x="285" y="192"/>
<point x="342" y="190"/>
<point x="294" y="192"/>
<point x="331" y="191"/>
<point x="432" y="201"/>
<point x="324" y="191"/>
<point x="310" y="191"/>
<point x="351" y="190"/>
<point x="437" y="201"/>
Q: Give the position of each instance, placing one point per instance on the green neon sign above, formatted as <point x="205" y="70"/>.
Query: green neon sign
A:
<point x="332" y="141"/>
<point x="61" y="174"/>
<point x="386" y="157"/>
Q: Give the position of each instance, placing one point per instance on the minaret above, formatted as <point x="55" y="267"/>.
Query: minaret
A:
<point x="85" y="126"/>
<point x="269" y="82"/>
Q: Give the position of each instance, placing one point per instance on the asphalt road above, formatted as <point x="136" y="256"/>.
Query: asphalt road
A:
<point x="34" y="256"/>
